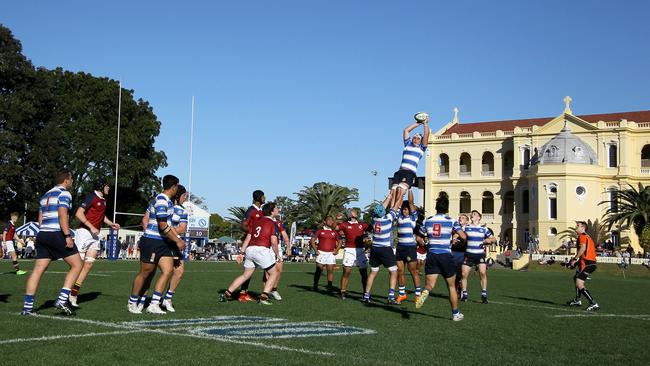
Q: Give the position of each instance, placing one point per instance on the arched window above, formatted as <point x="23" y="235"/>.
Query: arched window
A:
<point x="612" y="197"/>
<point x="465" y="165"/>
<point x="487" y="203"/>
<point x="612" y="155"/>
<point x="465" y="202"/>
<point x="552" y="231"/>
<point x="525" y="157"/>
<point x="443" y="162"/>
<point x="487" y="164"/>
<point x="525" y="204"/>
<point x="645" y="159"/>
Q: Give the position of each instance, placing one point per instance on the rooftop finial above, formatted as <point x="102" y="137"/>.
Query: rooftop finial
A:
<point x="567" y="103"/>
<point x="455" y="121"/>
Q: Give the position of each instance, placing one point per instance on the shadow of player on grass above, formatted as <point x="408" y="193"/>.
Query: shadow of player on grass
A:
<point x="4" y="298"/>
<point x="547" y="302"/>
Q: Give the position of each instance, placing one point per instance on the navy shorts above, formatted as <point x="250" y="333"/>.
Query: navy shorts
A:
<point x="51" y="245"/>
<point x="459" y="257"/>
<point x="404" y="176"/>
<point x="151" y="250"/>
<point x="474" y="259"/>
<point x="407" y="253"/>
<point x="382" y="256"/>
<point x="442" y="264"/>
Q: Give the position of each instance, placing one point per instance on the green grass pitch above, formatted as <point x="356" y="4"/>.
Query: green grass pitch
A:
<point x="525" y="322"/>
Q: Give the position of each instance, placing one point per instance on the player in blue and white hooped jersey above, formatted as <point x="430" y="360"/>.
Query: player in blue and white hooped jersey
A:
<point x="439" y="229"/>
<point x="157" y="245"/>
<point x="381" y="251"/>
<point x="413" y="151"/>
<point x="406" y="254"/>
<point x="179" y="223"/>
<point x="477" y="236"/>
<point x="54" y="241"/>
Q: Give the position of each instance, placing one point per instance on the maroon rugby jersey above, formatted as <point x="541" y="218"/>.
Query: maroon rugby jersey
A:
<point x="95" y="210"/>
<point x="10" y="230"/>
<point x="261" y="232"/>
<point x="353" y="232"/>
<point x="327" y="239"/>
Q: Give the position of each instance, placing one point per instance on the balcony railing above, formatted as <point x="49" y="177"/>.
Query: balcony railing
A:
<point x="465" y="174"/>
<point x="487" y="173"/>
<point x="443" y="174"/>
<point x="488" y="217"/>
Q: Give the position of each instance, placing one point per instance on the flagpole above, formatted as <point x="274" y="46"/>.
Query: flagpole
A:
<point x="117" y="153"/>
<point x="189" y="189"/>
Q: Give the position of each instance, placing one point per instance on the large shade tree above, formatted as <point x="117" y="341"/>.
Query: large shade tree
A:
<point x="631" y="209"/>
<point x="321" y="200"/>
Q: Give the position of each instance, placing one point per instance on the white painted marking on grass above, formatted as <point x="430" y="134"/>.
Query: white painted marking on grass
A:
<point x="168" y="332"/>
<point x="601" y="315"/>
<point x="281" y="330"/>
<point x="57" y="337"/>
<point x="209" y="320"/>
<point x="532" y="306"/>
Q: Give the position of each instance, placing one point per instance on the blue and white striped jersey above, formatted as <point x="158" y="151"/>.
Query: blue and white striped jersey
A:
<point x="439" y="228"/>
<point x="475" y="237"/>
<point x="405" y="226"/>
<point x="160" y="207"/>
<point x="50" y="203"/>
<point x="382" y="229"/>
<point x="411" y="155"/>
<point x="179" y="216"/>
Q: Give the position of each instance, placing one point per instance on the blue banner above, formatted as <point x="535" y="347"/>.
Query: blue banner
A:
<point x="186" y="251"/>
<point x="112" y="248"/>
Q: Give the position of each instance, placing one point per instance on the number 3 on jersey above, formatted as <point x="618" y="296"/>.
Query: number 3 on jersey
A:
<point x="436" y="230"/>
<point x="257" y="231"/>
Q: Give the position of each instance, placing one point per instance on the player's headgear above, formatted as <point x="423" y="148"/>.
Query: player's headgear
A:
<point x="100" y="184"/>
<point x="379" y="210"/>
<point x="418" y="136"/>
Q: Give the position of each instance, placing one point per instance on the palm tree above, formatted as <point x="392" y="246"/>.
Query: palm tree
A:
<point x="238" y="215"/>
<point x="598" y="231"/>
<point x="321" y="200"/>
<point x="632" y="209"/>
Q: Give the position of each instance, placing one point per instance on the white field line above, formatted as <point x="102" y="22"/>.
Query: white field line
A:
<point x="532" y="306"/>
<point x="595" y="315"/>
<point x="167" y="332"/>
<point x="56" y="337"/>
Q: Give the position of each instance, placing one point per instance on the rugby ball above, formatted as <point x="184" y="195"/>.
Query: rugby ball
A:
<point x="420" y="117"/>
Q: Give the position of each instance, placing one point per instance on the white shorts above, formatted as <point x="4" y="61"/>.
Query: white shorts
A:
<point x="422" y="256"/>
<point x="10" y="246"/>
<point x="355" y="257"/>
<point x="261" y="257"/>
<point x="326" y="258"/>
<point x="85" y="240"/>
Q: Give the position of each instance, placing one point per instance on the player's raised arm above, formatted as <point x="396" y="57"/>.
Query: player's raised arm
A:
<point x="408" y="129"/>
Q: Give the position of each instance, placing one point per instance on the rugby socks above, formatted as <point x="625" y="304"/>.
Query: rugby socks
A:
<point x="418" y="291"/>
<point x="244" y="286"/>
<point x="169" y="295"/>
<point x="28" y="306"/>
<point x="75" y="289"/>
<point x="16" y="265"/>
<point x="391" y="294"/>
<point x="484" y="293"/>
<point x="142" y="299"/>
<point x="366" y="295"/>
<point x="155" y="299"/>
<point x="133" y="299"/>
<point x="455" y="311"/>
<point x="364" y="278"/>
<point x="464" y="293"/>
<point x="578" y="294"/>
<point x="317" y="274"/>
<point x="402" y="290"/>
<point x="63" y="295"/>
<point x="588" y="296"/>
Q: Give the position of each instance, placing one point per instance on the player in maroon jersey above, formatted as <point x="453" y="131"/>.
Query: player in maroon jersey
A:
<point x="8" y="242"/>
<point x="354" y="253"/>
<point x="328" y="245"/>
<point x="260" y="249"/>
<point x="91" y="215"/>
<point x="253" y="213"/>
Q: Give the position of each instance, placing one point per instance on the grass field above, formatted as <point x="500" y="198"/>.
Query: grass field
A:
<point x="526" y="322"/>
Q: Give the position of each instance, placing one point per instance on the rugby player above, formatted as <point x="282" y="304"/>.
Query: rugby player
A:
<point x="406" y="254"/>
<point x="260" y="248"/>
<point x="458" y="248"/>
<point x="179" y="223"/>
<point x="328" y="245"/>
<point x="54" y="241"/>
<point x="414" y="148"/>
<point x="280" y="232"/>
<point x="439" y="229"/>
<point x="158" y="243"/>
<point x="477" y="237"/>
<point x="8" y="237"/>
<point x="381" y="251"/>
<point x="253" y="213"/>
<point x="354" y="253"/>
<point x="91" y="215"/>
<point x="585" y="260"/>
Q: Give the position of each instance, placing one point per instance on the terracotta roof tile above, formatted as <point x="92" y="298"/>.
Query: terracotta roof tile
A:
<point x="509" y="125"/>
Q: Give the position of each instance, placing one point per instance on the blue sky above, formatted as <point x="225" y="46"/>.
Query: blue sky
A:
<point x="289" y="93"/>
